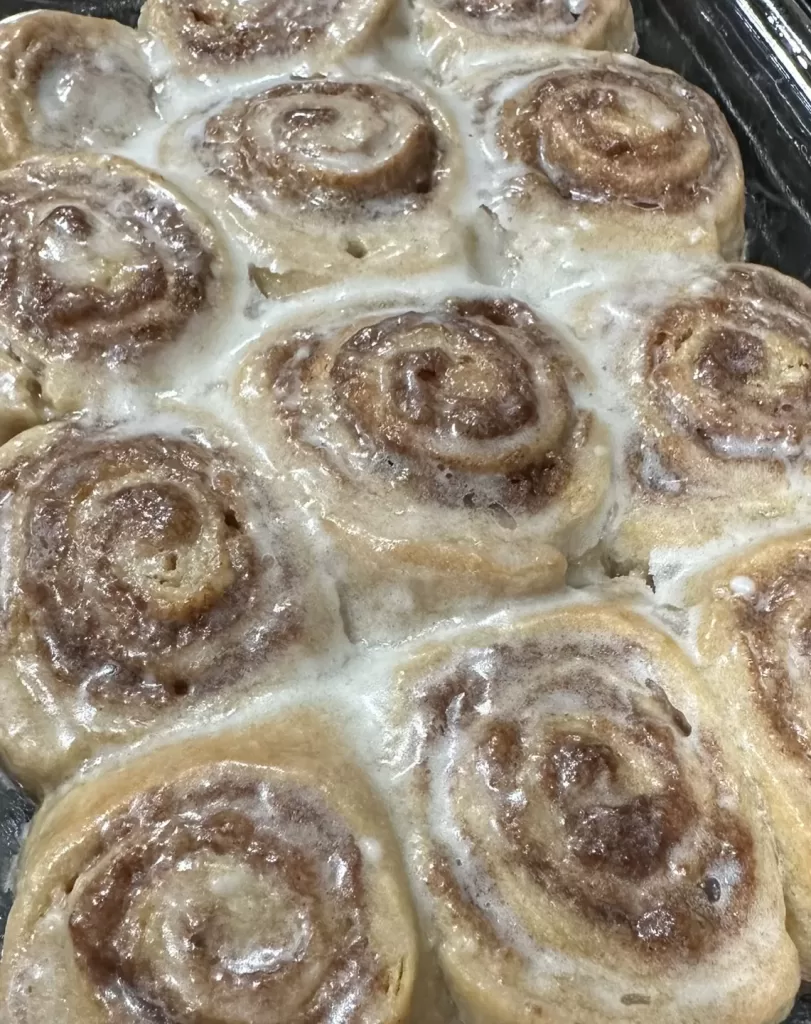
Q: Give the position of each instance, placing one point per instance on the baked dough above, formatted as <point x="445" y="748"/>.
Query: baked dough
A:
<point x="583" y="829"/>
<point x="147" y="577"/>
<point x="246" y="876"/>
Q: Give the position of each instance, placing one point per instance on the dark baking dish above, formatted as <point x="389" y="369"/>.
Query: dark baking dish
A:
<point x="754" y="56"/>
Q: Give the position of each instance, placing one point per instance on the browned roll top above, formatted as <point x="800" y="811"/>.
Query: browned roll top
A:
<point x="731" y="368"/>
<point x="590" y="780"/>
<point x="467" y="405"/>
<point x="339" y="147"/>
<point x="613" y="133"/>
<point x="146" y="570"/>
<point x="97" y="260"/>
<point x="228" y="32"/>
<point x="227" y="899"/>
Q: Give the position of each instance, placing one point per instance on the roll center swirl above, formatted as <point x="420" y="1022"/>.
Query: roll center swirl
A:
<point x="467" y="405"/>
<point x="228" y="903"/>
<point x="171" y="556"/>
<point x="332" y="145"/>
<point x="98" y="260"/>
<point x="90" y="264"/>
<point x="607" y="134"/>
<point x="143" y="572"/>
<point x="734" y="371"/>
<point x="604" y="805"/>
<point x="439" y="385"/>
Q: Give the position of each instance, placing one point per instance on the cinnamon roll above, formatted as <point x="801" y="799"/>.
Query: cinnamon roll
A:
<point x="146" y="577"/>
<point x="104" y="268"/>
<point x="608" y="154"/>
<point x="449" y="446"/>
<point x="250" y="876"/>
<point x="753" y="635"/>
<point x="585" y="840"/>
<point x="221" y="36"/>
<point x="329" y="178"/>
<point x="720" y="391"/>
<point x="451" y="29"/>
<point x="69" y="82"/>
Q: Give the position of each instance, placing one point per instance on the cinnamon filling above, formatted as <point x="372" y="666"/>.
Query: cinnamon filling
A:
<point x="776" y="629"/>
<point x="340" y="147"/>
<point x="467" y="406"/>
<point x="510" y="17"/>
<point x="605" y="806"/>
<point x="137" y="582"/>
<point x="227" y="899"/>
<point x="228" y="32"/>
<point x="606" y="134"/>
<point x="732" y="369"/>
<point x="94" y="264"/>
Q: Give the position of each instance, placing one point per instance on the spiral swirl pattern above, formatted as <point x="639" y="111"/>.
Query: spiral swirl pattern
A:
<point x="223" y="34"/>
<point x="445" y="442"/>
<point x="618" y="133"/>
<point x="718" y="390"/>
<point x="344" y="148"/>
<point x="451" y="32"/>
<point x="778" y="639"/>
<point x="69" y="82"/>
<point x="754" y="636"/>
<point x="228" y="32"/>
<point x="100" y="260"/>
<point x="236" y="899"/>
<point x="146" y="577"/>
<point x="731" y="368"/>
<point x="591" y="803"/>
<point x="564" y="804"/>
<point x="140" y="571"/>
<point x="467" y="405"/>
<point x="244" y="889"/>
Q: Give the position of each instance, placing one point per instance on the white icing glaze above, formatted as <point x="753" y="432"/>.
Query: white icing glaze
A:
<point x="358" y="695"/>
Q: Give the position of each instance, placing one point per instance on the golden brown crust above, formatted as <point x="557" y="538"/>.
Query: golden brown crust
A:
<point x="244" y="875"/>
<point x="571" y="794"/>
<point x="145" y="575"/>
